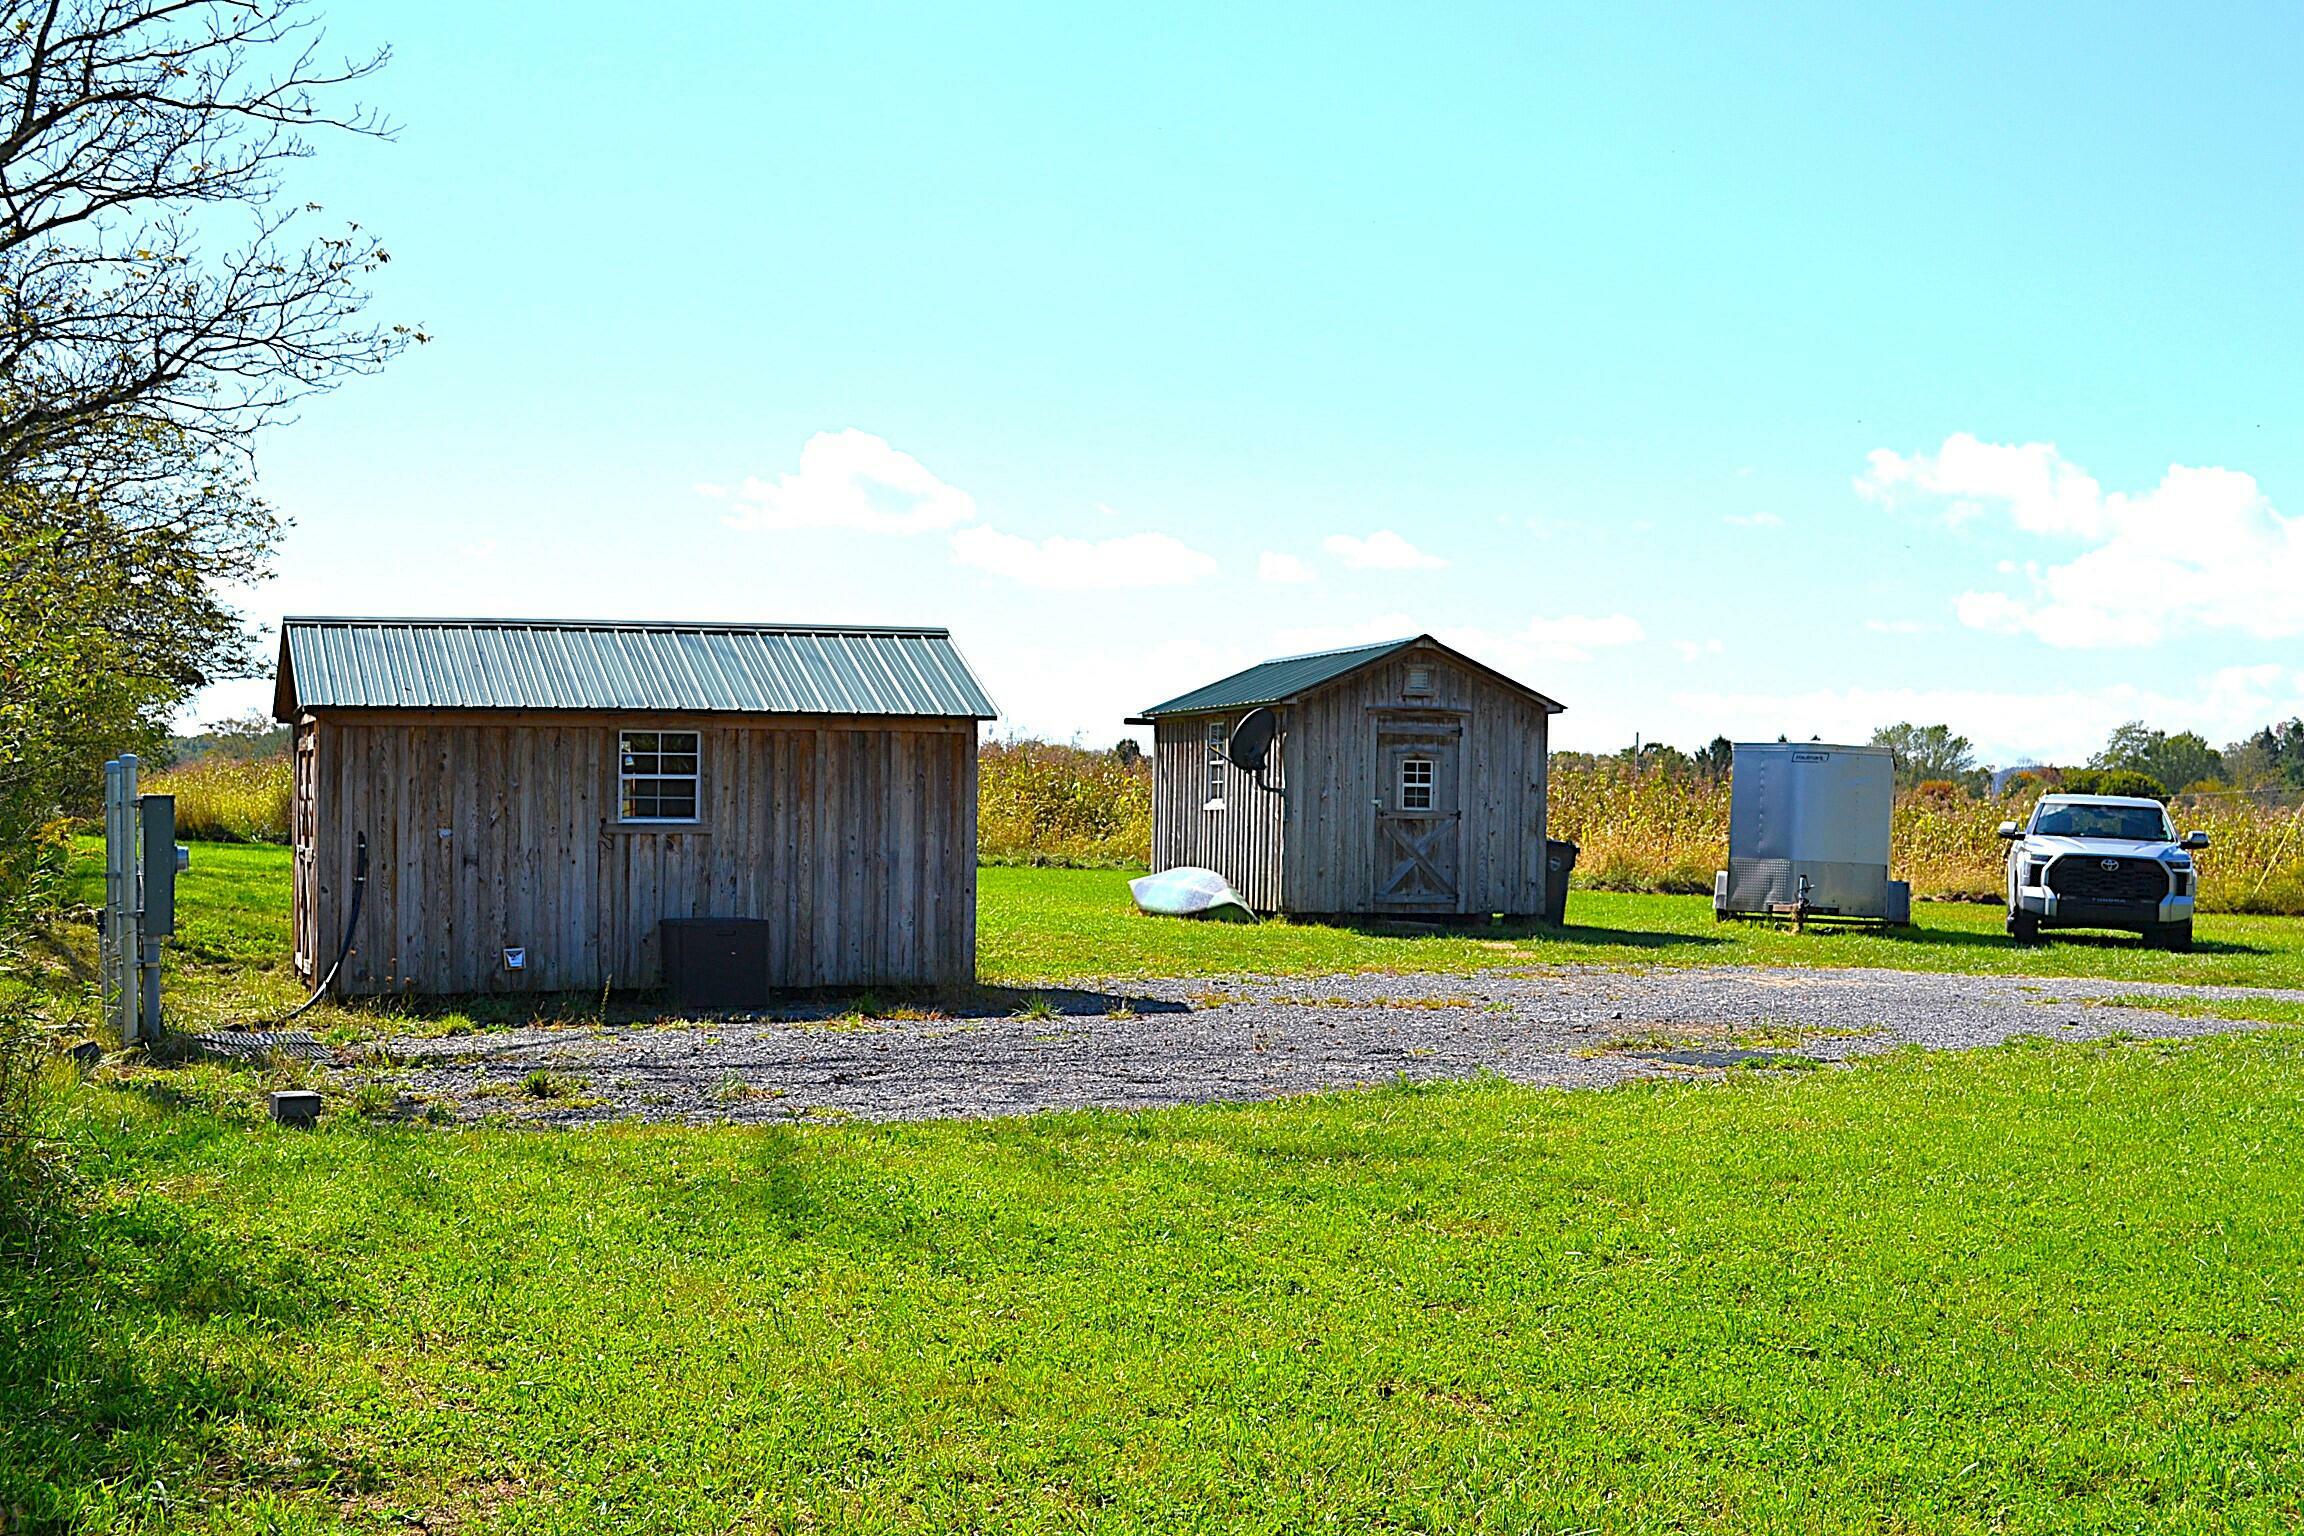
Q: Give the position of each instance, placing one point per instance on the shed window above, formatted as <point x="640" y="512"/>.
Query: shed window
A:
<point x="1219" y="737"/>
<point x="1419" y="680"/>
<point x="659" y="775"/>
<point x="1415" y="783"/>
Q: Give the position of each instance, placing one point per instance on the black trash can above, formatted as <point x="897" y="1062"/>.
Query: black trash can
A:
<point x="1559" y="859"/>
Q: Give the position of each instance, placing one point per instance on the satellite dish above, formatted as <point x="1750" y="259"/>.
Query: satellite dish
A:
<point x="1251" y="740"/>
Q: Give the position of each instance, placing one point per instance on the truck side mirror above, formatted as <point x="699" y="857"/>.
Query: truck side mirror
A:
<point x="2010" y="831"/>
<point x="2195" y="840"/>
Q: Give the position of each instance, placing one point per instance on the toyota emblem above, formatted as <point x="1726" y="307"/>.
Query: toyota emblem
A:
<point x="2108" y="864"/>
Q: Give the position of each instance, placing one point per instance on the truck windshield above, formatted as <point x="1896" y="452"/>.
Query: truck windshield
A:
<point x="2128" y="823"/>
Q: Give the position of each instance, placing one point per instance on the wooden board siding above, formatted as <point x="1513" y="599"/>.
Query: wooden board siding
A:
<point x="1501" y="787"/>
<point x="1246" y="841"/>
<point x="853" y="836"/>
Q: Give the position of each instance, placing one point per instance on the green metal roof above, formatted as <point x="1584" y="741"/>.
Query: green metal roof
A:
<point x="806" y="669"/>
<point x="1290" y="677"/>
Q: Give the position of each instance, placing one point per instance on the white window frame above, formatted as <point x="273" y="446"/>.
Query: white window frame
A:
<point x="626" y="777"/>
<point x="1219" y="738"/>
<point x="1411" y="786"/>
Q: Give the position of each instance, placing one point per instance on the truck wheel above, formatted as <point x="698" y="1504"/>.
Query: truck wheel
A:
<point x="2024" y="927"/>
<point x="2176" y="937"/>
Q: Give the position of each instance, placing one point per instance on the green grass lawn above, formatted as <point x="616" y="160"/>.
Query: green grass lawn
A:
<point x="1038" y="926"/>
<point x="2042" y="1288"/>
<point x="1041" y="925"/>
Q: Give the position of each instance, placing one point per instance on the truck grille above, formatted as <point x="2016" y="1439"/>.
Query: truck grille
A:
<point x="2086" y="879"/>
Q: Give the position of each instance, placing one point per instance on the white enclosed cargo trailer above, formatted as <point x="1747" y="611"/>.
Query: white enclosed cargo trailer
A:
<point x="1808" y="832"/>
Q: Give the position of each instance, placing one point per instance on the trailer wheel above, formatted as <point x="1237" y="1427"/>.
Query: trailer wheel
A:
<point x="2024" y="927"/>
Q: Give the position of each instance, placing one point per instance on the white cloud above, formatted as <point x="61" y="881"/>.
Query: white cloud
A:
<point x="1336" y="637"/>
<point x="1382" y="550"/>
<point x="1694" y="650"/>
<point x="2204" y="549"/>
<point x="1575" y="638"/>
<point x="1131" y="560"/>
<point x="1753" y="520"/>
<point x="1285" y="570"/>
<point x="850" y="479"/>
<point x="1520" y="652"/>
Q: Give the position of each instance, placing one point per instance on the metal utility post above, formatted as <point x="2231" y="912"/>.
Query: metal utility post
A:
<point x="122" y="943"/>
<point x="141" y="862"/>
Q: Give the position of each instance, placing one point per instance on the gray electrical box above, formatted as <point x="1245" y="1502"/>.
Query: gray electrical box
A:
<point x="162" y="858"/>
<point x="1808" y="826"/>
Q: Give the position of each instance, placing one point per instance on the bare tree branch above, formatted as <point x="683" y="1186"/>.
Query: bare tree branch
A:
<point x="131" y="132"/>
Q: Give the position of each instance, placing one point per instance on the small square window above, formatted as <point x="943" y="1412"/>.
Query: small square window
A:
<point x="1419" y="680"/>
<point x="657" y="775"/>
<point x="1415" y="783"/>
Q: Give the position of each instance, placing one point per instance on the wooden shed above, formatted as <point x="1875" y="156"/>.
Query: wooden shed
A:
<point x="537" y="798"/>
<point x="1405" y="779"/>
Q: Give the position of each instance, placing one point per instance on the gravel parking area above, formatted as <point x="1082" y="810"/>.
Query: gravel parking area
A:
<point x="1177" y="1042"/>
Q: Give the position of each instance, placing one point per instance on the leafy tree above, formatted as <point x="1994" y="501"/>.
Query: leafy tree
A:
<point x="2113" y="781"/>
<point x="2178" y="760"/>
<point x="1128" y="752"/>
<point x="244" y="738"/>
<point x="2272" y="758"/>
<point x="158" y="304"/>
<point x="1655" y="757"/>
<point x="1716" y="759"/>
<point x="1924" y="752"/>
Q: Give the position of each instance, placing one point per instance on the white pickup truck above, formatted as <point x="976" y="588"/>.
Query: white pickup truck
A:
<point x="2101" y="861"/>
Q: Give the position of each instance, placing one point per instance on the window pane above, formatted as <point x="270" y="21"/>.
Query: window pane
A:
<point x="658" y="775"/>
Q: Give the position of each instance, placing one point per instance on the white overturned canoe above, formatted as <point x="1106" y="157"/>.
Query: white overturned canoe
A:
<point x="1190" y="892"/>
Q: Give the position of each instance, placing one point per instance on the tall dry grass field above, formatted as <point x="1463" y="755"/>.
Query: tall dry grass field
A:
<point x="1666" y="832"/>
<point x="228" y="800"/>
<point x="1039" y="803"/>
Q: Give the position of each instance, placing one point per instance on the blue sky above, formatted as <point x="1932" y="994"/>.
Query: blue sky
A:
<point x="1777" y="369"/>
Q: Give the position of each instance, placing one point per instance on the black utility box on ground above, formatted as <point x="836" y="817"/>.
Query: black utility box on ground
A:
<point x="1559" y="860"/>
<point x="716" y="963"/>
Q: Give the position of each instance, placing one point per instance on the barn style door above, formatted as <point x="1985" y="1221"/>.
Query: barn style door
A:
<point x="1419" y="820"/>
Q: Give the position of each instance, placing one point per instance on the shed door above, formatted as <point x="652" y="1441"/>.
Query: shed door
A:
<point x="304" y="834"/>
<point x="1419" y="820"/>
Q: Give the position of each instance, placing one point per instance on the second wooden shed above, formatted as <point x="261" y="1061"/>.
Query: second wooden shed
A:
<point x="1405" y="779"/>
<point x="536" y="799"/>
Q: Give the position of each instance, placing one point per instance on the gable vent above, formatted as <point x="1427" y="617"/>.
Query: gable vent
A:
<point x="1419" y="680"/>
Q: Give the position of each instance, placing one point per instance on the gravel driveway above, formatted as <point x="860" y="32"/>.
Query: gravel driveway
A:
<point x="1143" y="1044"/>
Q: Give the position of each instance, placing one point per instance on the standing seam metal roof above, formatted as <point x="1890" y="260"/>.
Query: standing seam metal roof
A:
<point x="332" y="663"/>
<point x="1268" y="682"/>
<point x="1288" y="677"/>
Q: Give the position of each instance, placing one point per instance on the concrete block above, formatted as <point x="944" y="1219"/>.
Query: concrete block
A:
<point x="296" y="1106"/>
